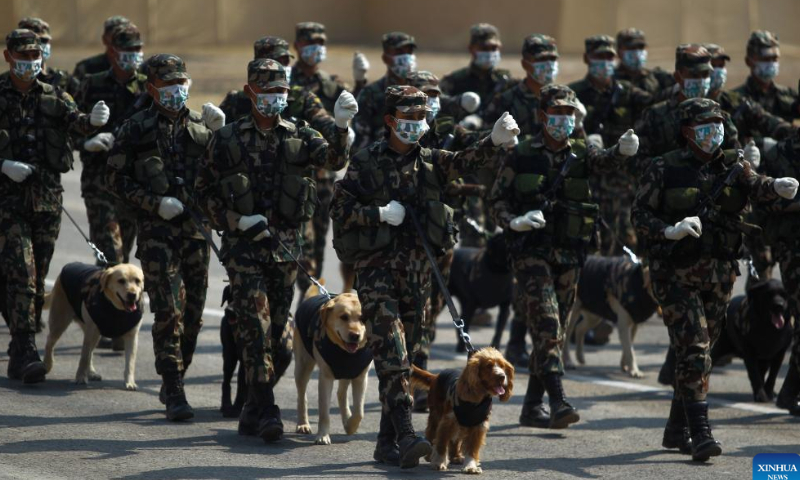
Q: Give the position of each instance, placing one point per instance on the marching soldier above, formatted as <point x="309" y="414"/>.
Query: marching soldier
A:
<point x="632" y="46"/>
<point x="309" y="43"/>
<point x="57" y="78"/>
<point x="102" y="61"/>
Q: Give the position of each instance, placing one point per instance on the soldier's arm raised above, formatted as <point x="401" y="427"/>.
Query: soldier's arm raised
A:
<point x="78" y="122"/>
<point x="331" y="154"/>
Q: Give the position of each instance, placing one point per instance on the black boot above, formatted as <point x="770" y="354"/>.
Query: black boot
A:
<point x="412" y="447"/>
<point x="177" y="407"/>
<point x="676" y="432"/>
<point x="703" y="444"/>
<point x="788" y="396"/>
<point x="270" y="426"/>
<point x="24" y="362"/>
<point x="421" y="396"/>
<point x="162" y="394"/>
<point x="386" y="450"/>
<point x="562" y="414"/>
<point x="667" y="374"/>
<point x="534" y="413"/>
<point x="516" y="353"/>
<point x="251" y="412"/>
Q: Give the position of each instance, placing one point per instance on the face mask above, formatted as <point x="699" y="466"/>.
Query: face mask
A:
<point x="634" y="59"/>
<point x="271" y="104"/>
<point x="129" y="61"/>
<point x="544" y="73"/>
<point x="27" y="70"/>
<point x="718" y="77"/>
<point x="404" y="64"/>
<point x="46" y="51"/>
<point x="696" y="87"/>
<point x="487" y="60"/>
<point x="411" y="131"/>
<point x="435" y="105"/>
<point x="766" y="70"/>
<point x="601" y="69"/>
<point x="709" y="136"/>
<point x="313" y="54"/>
<point x="173" y="97"/>
<point x="560" y="127"/>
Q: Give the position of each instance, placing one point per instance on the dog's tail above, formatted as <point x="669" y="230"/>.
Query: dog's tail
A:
<point x="421" y="379"/>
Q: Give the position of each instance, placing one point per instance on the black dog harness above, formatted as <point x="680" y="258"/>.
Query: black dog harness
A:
<point x="81" y="284"/>
<point x="345" y="365"/>
<point x="468" y="414"/>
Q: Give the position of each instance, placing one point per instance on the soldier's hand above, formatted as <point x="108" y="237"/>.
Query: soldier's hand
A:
<point x="504" y="130"/>
<point x="768" y="143"/>
<point x="688" y="226"/>
<point x="100" y="114"/>
<point x="213" y="117"/>
<point x="628" y="143"/>
<point x="392" y="213"/>
<point x="254" y="226"/>
<point x="537" y="217"/>
<point x="470" y="101"/>
<point x="786" y="187"/>
<point x="16" y="171"/>
<point x="102" y="142"/>
<point x="752" y="154"/>
<point x="595" y="139"/>
<point x="345" y="109"/>
<point x="521" y="224"/>
<point x="169" y="208"/>
<point x="360" y="67"/>
<point x="471" y="122"/>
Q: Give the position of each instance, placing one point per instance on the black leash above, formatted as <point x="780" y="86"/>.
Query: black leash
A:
<point x="321" y="287"/>
<point x="634" y="258"/>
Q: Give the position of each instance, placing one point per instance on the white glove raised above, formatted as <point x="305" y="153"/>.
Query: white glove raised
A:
<point x="531" y="220"/>
<point x="470" y="101"/>
<point x="628" y="143"/>
<point x="169" y="208"/>
<point x="360" y="67"/>
<point x="752" y="154"/>
<point x="392" y="213"/>
<point x="102" y="142"/>
<point x="213" y="117"/>
<point x="246" y="222"/>
<point x="345" y="109"/>
<point x="471" y="122"/>
<point x="351" y="137"/>
<point x="504" y="130"/>
<point x="688" y="226"/>
<point x="16" y="171"/>
<point x="768" y="143"/>
<point x="786" y="187"/>
<point x="595" y="139"/>
<point x="100" y="114"/>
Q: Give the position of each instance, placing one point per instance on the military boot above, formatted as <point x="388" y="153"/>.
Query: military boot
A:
<point x="249" y="418"/>
<point x="270" y="426"/>
<point x="386" y="449"/>
<point x="676" y="432"/>
<point x="24" y="362"/>
<point x="788" y="396"/>
<point x="704" y="446"/>
<point x="411" y="447"/>
<point x="534" y="413"/>
<point x="421" y="396"/>
<point x="177" y="407"/>
<point x="162" y="394"/>
<point x="562" y="414"/>
<point x="666" y="376"/>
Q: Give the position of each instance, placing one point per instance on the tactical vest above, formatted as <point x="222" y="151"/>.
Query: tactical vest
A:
<point x="468" y="414"/>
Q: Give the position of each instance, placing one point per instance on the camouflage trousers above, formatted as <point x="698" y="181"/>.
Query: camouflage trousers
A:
<point x="789" y="261"/>
<point x="547" y="292"/>
<point x="695" y="316"/>
<point x="393" y="306"/>
<point x="262" y="296"/>
<point x="112" y="226"/>
<point x="176" y="280"/>
<point x="27" y="243"/>
<point x="616" y="211"/>
<point x="315" y="235"/>
<point x="435" y="306"/>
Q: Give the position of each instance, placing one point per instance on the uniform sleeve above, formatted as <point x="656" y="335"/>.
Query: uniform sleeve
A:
<point x="761" y="188"/>
<point x="208" y="192"/>
<point x="319" y="118"/>
<point x="346" y="207"/>
<point x="447" y="85"/>
<point x="757" y="119"/>
<point x="495" y="108"/>
<point x="603" y="160"/>
<point x="328" y="155"/>
<point x="452" y="165"/>
<point x="362" y="123"/>
<point x="647" y="203"/>
<point x="500" y="195"/>
<point x="79" y="122"/>
<point x="120" y="174"/>
<point x="643" y="128"/>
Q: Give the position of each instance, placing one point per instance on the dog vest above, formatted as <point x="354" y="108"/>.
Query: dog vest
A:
<point x="81" y="283"/>
<point x="345" y="365"/>
<point x="468" y="414"/>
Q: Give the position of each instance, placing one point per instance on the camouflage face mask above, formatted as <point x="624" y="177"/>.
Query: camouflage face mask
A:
<point x="173" y="97"/>
<point x="314" y="54"/>
<point x="634" y="59"/>
<point x="45" y="50"/>
<point x="271" y="104"/>
<point x="601" y="69"/>
<point x="410" y="131"/>
<point x="544" y="73"/>
<point x="718" y="78"/>
<point x="487" y="60"/>
<point x="696" y="87"/>
<point x="27" y="70"/>
<point x="766" y="70"/>
<point x="404" y="64"/>
<point x="129" y="61"/>
<point x="560" y="127"/>
<point x="709" y="136"/>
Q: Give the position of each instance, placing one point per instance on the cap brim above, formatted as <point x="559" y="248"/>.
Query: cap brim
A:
<point x="545" y="55"/>
<point x="281" y="53"/>
<point x="175" y="75"/>
<point x="133" y="44"/>
<point x="28" y="47"/>
<point x="318" y="36"/>
<point x="492" y="42"/>
<point x="634" y="44"/>
<point x="413" y="108"/>
<point x="274" y="84"/>
<point x="603" y="50"/>
<point x="709" y="116"/>
<point x="770" y="52"/>
<point x="562" y="102"/>
<point x="402" y="44"/>
<point x="699" y="68"/>
<point x="724" y="56"/>
<point x="45" y="36"/>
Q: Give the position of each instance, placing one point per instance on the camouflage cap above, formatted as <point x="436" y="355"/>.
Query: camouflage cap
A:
<point x="398" y="40"/>
<point x="557" y="95"/>
<point x="423" y="80"/>
<point x="600" y="44"/>
<point x="267" y="73"/>
<point x="763" y="44"/>
<point x="166" y="67"/>
<point x="407" y="99"/>
<point x="540" y="46"/>
<point x="693" y="56"/>
<point x="22" y="40"/>
<point x="717" y="52"/>
<point x="37" y="26"/>
<point x="126" y="36"/>
<point x="698" y="109"/>
<point x="271" y="47"/>
<point x="631" y="38"/>
<point x="484" y="34"/>
<point x="112" y="22"/>
<point x="309" y="31"/>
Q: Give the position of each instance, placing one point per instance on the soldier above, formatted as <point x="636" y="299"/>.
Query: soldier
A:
<point x="253" y="187"/>
<point x="693" y="255"/>
<point x="393" y="275"/>
<point x="546" y="210"/>
<point x="57" y="78"/>
<point x="35" y="122"/>
<point x="152" y="167"/>
<point x="309" y="43"/>
<point x="102" y="61"/>
<point x="632" y="47"/>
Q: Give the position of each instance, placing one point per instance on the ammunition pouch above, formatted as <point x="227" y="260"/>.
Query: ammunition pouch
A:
<point x="356" y="243"/>
<point x="150" y="172"/>
<point x="238" y="193"/>
<point x="440" y="226"/>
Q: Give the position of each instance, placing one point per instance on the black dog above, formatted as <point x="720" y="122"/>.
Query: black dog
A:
<point x="757" y="331"/>
<point x="230" y="358"/>
<point x="482" y="278"/>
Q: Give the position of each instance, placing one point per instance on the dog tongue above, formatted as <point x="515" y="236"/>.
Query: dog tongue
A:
<point x="777" y="321"/>
<point x="499" y="390"/>
<point x="132" y="308"/>
<point x="352" y="347"/>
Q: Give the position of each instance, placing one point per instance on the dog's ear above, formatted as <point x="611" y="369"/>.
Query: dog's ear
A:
<point x="509" y="369"/>
<point x="325" y="311"/>
<point x="105" y="277"/>
<point x="470" y="388"/>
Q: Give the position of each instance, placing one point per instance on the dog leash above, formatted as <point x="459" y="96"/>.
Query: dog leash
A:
<point x="322" y="289"/>
<point x="634" y="258"/>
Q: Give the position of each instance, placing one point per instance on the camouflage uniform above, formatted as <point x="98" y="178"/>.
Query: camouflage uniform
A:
<point x="651" y="81"/>
<point x="173" y="253"/>
<point x="112" y="224"/>
<point x="324" y="85"/>
<point x="98" y="63"/>
<point x="60" y="79"/>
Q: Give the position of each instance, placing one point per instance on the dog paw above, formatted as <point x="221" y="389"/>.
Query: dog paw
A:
<point x="304" y="429"/>
<point x="351" y="426"/>
<point x="441" y="467"/>
<point x="95" y="377"/>
<point x="472" y="469"/>
<point x="323" y="440"/>
<point x="81" y="380"/>
<point x="636" y="373"/>
<point x="131" y="386"/>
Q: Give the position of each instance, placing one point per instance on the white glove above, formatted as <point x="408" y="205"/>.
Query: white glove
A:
<point x="345" y="109"/>
<point x="786" y="187"/>
<point x="768" y="143"/>
<point x="504" y="130"/>
<point x="246" y="222"/>
<point x="595" y="139"/>
<point x="511" y="144"/>
<point x="752" y="154"/>
<point x="351" y="137"/>
<point x="16" y="171"/>
<point x="169" y="208"/>
<point x="100" y="114"/>
<point x="213" y="117"/>
<point x="531" y="220"/>
<point x="628" y="143"/>
<point x="360" y="67"/>
<point x="688" y="226"/>
<point x="102" y="142"/>
<point x="392" y="213"/>
<point x="471" y="122"/>
<point x="470" y="101"/>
